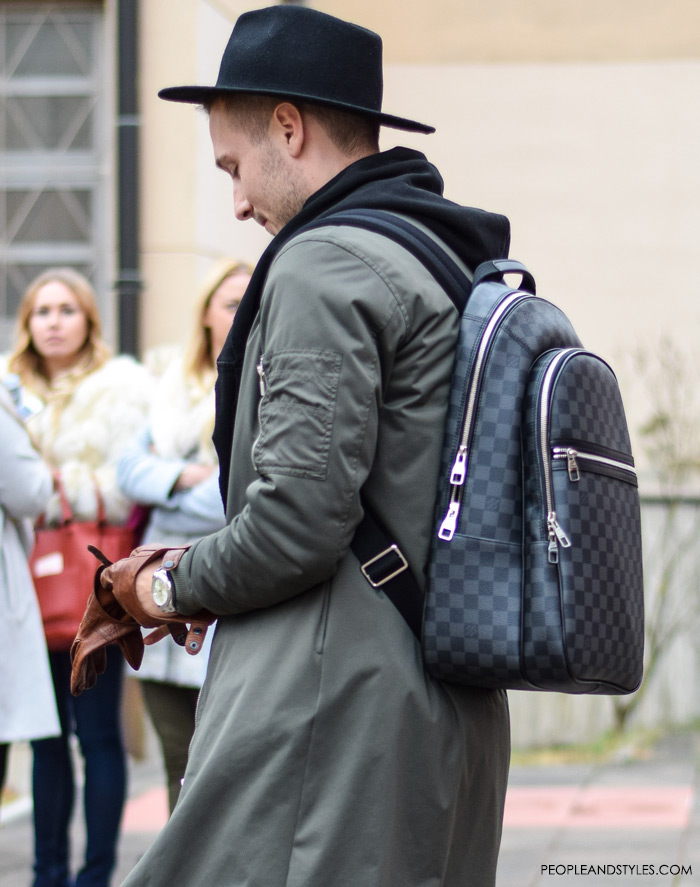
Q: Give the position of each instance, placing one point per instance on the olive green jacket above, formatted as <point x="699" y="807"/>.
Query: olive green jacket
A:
<point x="324" y="755"/>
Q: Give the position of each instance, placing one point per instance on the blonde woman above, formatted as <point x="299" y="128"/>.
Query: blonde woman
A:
<point x="84" y="407"/>
<point x="172" y="467"/>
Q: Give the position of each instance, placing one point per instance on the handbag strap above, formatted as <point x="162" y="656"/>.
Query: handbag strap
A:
<point x="66" y="511"/>
<point x="101" y="512"/>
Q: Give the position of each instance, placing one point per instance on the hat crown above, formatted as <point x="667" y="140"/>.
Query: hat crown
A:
<point x="300" y="53"/>
<point x="295" y="51"/>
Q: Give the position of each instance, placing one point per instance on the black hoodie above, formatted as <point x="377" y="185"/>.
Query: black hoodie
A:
<point x="401" y="181"/>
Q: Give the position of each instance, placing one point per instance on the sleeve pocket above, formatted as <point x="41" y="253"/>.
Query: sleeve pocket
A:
<point x="296" y="412"/>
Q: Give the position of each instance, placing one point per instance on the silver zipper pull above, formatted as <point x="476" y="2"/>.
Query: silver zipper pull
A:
<point x="554" y="529"/>
<point x="263" y="381"/>
<point x="557" y="537"/>
<point x="459" y="468"/>
<point x="449" y="524"/>
<point x="572" y="464"/>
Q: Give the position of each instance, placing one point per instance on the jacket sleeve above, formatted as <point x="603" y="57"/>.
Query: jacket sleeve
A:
<point x="149" y="479"/>
<point x="326" y="338"/>
<point x="145" y="477"/>
<point x="25" y="480"/>
<point x="196" y="512"/>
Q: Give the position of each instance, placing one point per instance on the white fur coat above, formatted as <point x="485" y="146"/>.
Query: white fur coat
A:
<point x="181" y="417"/>
<point x="82" y="430"/>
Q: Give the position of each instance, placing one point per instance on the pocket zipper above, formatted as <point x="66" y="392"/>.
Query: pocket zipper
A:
<point x="262" y="378"/>
<point x="572" y="455"/>
<point x="556" y="534"/>
<point x="458" y="474"/>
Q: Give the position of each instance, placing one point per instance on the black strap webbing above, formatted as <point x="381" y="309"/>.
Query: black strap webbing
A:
<point x="442" y="266"/>
<point x="382" y="562"/>
<point x="385" y="568"/>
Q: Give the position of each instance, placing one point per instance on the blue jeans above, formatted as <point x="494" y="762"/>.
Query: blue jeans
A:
<point x="95" y="719"/>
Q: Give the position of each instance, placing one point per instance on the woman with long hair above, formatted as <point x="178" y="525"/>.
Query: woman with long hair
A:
<point x="84" y="406"/>
<point x="172" y="468"/>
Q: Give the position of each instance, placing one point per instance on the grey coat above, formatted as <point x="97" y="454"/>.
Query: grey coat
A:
<point x="324" y="755"/>
<point x="27" y="702"/>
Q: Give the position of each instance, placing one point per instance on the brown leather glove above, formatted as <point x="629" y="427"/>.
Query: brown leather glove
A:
<point x="114" y="615"/>
<point x="120" y="578"/>
<point x="105" y="622"/>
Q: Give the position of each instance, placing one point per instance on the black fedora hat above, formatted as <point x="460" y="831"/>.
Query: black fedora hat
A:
<point x="300" y="53"/>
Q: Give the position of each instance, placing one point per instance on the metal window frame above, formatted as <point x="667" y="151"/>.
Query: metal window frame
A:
<point x="63" y="168"/>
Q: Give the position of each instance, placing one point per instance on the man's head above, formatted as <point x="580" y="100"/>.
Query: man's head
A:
<point x="278" y="153"/>
<point x="298" y="98"/>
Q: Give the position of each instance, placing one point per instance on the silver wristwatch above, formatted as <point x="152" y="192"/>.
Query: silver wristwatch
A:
<point x="162" y="591"/>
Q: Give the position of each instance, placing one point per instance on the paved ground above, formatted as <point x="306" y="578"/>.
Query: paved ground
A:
<point x="626" y="822"/>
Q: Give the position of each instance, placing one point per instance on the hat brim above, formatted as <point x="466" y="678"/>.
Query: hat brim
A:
<point x="198" y="95"/>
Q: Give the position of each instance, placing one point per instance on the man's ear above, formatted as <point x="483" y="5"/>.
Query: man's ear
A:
<point x="288" y="123"/>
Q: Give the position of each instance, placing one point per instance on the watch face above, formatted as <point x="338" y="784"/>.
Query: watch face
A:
<point x="161" y="589"/>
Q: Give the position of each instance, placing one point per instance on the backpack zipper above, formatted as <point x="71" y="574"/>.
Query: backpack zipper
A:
<point x="556" y="534"/>
<point x="458" y="474"/>
<point x="572" y="455"/>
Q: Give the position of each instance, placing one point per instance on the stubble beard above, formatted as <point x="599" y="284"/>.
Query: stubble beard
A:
<point x="286" y="194"/>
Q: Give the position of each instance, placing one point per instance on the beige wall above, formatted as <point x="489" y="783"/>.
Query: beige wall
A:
<point x="596" y="165"/>
<point x="187" y="213"/>
<point x="594" y="158"/>
<point x="469" y="31"/>
<point x="169" y="186"/>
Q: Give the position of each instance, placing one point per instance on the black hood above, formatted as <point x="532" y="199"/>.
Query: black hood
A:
<point x="401" y="181"/>
<point x="404" y="181"/>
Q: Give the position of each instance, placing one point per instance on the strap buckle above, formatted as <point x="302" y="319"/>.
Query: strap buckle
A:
<point x="374" y="576"/>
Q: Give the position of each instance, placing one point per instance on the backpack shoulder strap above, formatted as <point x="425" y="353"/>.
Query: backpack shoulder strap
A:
<point x="385" y="567"/>
<point x="436" y="260"/>
<point x="382" y="562"/>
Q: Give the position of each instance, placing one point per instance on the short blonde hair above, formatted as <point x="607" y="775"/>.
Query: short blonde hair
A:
<point x="25" y="360"/>
<point x="199" y="358"/>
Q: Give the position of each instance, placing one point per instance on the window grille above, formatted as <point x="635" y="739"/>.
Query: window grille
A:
<point x="53" y="149"/>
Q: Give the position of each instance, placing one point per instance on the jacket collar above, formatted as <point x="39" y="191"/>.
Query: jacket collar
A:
<point x="400" y="180"/>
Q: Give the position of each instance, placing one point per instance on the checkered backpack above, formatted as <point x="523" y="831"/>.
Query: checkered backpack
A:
<point x="535" y="574"/>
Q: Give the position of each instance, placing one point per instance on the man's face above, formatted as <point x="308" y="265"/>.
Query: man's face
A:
<point x="265" y="186"/>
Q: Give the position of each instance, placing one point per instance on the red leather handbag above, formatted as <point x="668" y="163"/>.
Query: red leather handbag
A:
<point x="63" y="569"/>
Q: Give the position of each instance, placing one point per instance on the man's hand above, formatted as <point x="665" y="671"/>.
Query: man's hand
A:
<point x="191" y="475"/>
<point x="144" y="579"/>
<point x="104" y="622"/>
<point x="121" y="602"/>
